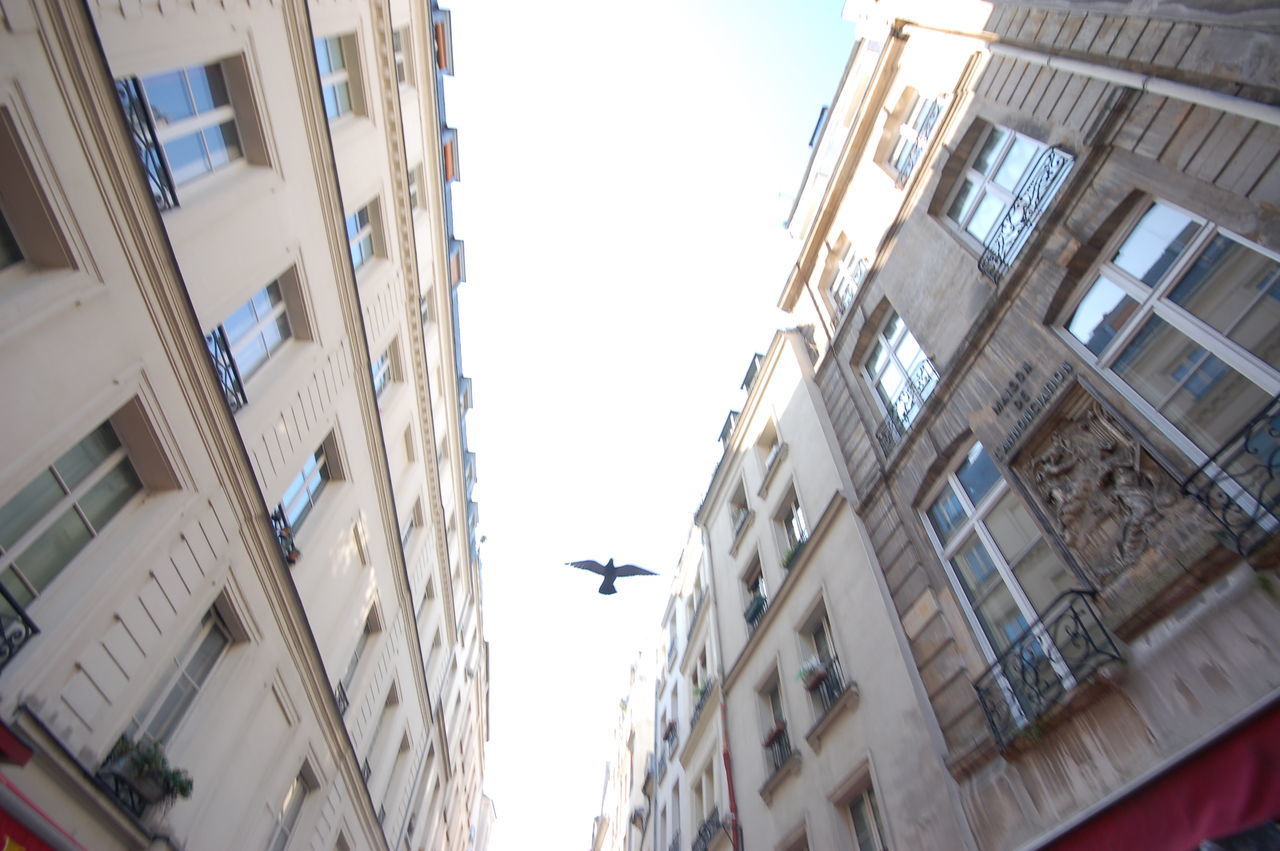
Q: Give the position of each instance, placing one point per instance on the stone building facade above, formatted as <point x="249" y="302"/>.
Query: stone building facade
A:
<point x="239" y="539"/>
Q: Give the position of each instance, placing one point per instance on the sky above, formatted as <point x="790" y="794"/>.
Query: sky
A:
<point x="625" y="173"/>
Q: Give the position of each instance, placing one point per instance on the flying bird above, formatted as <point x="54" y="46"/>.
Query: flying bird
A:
<point x="610" y="573"/>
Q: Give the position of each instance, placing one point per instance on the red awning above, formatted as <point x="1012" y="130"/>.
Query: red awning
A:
<point x="1231" y="785"/>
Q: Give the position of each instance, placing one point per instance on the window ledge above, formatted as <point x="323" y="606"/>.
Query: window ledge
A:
<point x="847" y="701"/>
<point x="771" y="471"/>
<point x="788" y="769"/>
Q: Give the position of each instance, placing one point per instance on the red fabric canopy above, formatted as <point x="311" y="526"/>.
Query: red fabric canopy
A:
<point x="1230" y="786"/>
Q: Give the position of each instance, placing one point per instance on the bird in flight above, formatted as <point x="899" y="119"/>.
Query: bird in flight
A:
<point x="610" y="573"/>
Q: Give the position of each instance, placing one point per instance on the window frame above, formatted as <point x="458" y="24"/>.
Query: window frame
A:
<point x="1152" y="300"/>
<point x="984" y="182"/>
<point x="282" y="834"/>
<point x="362" y="235"/>
<point x="868" y="797"/>
<point x="402" y="54"/>
<point x="890" y="346"/>
<point x="194" y="125"/>
<point x="278" y="308"/>
<point x="307" y="496"/>
<point x="850" y="274"/>
<point x="336" y="77"/>
<point x="212" y="623"/>
<point x="915" y="132"/>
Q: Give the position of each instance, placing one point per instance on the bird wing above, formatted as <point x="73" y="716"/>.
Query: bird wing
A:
<point x="593" y="566"/>
<point x="632" y="570"/>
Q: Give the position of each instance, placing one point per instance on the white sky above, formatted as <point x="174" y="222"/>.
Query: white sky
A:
<point x="623" y="173"/>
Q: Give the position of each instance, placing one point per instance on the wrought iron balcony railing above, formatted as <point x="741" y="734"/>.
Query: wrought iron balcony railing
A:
<point x="225" y="364"/>
<point x="906" y="406"/>
<point x="284" y="535"/>
<point x="16" y="627"/>
<point x="1039" y="187"/>
<point x="340" y="695"/>
<point x="1240" y="484"/>
<point x="707" y="830"/>
<point x="778" y="748"/>
<point x="827" y="684"/>
<point x="907" y="167"/>
<point x="1049" y="659"/>
<point x="126" y="794"/>
<point x="143" y="130"/>
<point x="755" y="611"/>
<point x="702" y="702"/>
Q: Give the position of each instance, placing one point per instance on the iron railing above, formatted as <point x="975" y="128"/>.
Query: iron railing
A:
<point x="845" y="287"/>
<point x="675" y="842"/>
<point x="1004" y="243"/>
<point x="1240" y="484"/>
<point x="702" y="702"/>
<point x="225" y="364"/>
<point x="143" y="130"/>
<point x="284" y="535"/>
<point x="340" y="695"/>
<point x="925" y="130"/>
<point x="906" y="406"/>
<point x="1049" y="659"/>
<point x="755" y="611"/>
<point x="829" y="685"/>
<point x="16" y="627"/>
<point x="125" y="793"/>
<point x="779" y="751"/>
<point x="707" y="830"/>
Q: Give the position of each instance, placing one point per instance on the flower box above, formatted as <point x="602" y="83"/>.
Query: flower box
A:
<point x="775" y="732"/>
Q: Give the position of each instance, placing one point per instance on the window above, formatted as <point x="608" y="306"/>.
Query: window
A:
<point x="382" y="371"/>
<point x="993" y="550"/>
<point x="300" y="497"/>
<point x="10" y="253"/>
<point x="47" y="523"/>
<point x="738" y="511"/>
<point x="195" y="124"/>
<point x="174" y="694"/>
<point x="794" y="531"/>
<point x="913" y="135"/>
<point x="1187" y="316"/>
<point x="851" y="270"/>
<point x="777" y="743"/>
<point x="334" y="55"/>
<point x="258" y="329"/>
<point x="360" y="236"/>
<point x="287" y="815"/>
<point x="991" y="180"/>
<point x="415" y="188"/>
<point x="902" y="375"/>
<point x="769" y="446"/>
<point x="821" y="672"/>
<point x="399" y="47"/>
<point x="865" y="819"/>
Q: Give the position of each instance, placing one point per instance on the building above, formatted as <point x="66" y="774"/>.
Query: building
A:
<point x="624" y="823"/>
<point x="239" y="537"/>
<point x="1053" y="391"/>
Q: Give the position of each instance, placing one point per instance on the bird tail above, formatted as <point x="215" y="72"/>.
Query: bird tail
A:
<point x="606" y="587"/>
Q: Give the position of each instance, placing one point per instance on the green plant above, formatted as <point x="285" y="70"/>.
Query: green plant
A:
<point x="147" y="761"/>
<point x="792" y="554"/>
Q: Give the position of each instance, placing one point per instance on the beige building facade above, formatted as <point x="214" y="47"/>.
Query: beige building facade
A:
<point x="239" y="534"/>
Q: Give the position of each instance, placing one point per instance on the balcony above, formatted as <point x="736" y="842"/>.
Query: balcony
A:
<point x="906" y="406"/>
<point x="16" y="627"/>
<point x="284" y="536"/>
<point x="1240" y="484"/>
<point x="755" y="612"/>
<point x="143" y="131"/>
<point x="777" y="746"/>
<point x="225" y="365"/>
<point x="824" y="679"/>
<point x="703" y="696"/>
<point x="707" y="831"/>
<point x="1053" y="656"/>
<point x="1038" y="189"/>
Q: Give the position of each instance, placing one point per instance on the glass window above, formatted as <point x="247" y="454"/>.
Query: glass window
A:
<point x="991" y="180"/>
<point x="175" y="693"/>
<point x="901" y="373"/>
<point x="381" y="369"/>
<point x="1188" y="317"/>
<point x="399" y="44"/>
<point x="360" y="236"/>
<point x="47" y="523"/>
<point x="10" y="253"/>
<point x="287" y="816"/>
<point x="850" y="273"/>
<point x="258" y="329"/>
<point x="301" y="495"/>
<point x="867" y="834"/>
<point x="335" y="80"/>
<point x="914" y="134"/>
<point x="194" y="120"/>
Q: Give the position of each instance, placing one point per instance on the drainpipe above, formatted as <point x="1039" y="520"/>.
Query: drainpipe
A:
<point x="1163" y="86"/>
<point x="728" y="772"/>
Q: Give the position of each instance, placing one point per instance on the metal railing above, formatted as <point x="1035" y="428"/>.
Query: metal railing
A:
<point x="906" y="406"/>
<point x="143" y="130"/>
<point x="830" y="687"/>
<point x="1020" y="219"/>
<point x="702" y="702"/>
<point x="340" y="695"/>
<point x="125" y="793"/>
<point x="284" y="535"/>
<point x="675" y="842"/>
<point x="225" y="364"/>
<point x="1240" y="484"/>
<point x="755" y="611"/>
<point x="1049" y="659"/>
<point x="779" y="751"/>
<point x="707" y="830"/>
<point x="16" y="627"/>
<point x="925" y="130"/>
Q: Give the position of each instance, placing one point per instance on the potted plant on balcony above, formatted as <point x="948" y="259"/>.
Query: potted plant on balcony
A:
<point x="145" y="767"/>
<point x="775" y="732"/>
<point x="792" y="554"/>
<point x="813" y="672"/>
<point x="756" y="607"/>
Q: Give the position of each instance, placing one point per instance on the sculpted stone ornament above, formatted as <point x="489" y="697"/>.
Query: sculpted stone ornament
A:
<point x="1123" y="517"/>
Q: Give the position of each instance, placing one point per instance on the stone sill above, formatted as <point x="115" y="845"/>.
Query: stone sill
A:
<point x="788" y="769"/>
<point x="847" y="702"/>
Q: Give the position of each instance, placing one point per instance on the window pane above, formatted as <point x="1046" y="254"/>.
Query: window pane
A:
<point x="201" y="662"/>
<point x="27" y="507"/>
<point x="223" y="143"/>
<point x="208" y="87"/>
<point x="977" y="474"/>
<point x="995" y="139"/>
<point x="251" y="355"/>
<point x="1022" y="154"/>
<point x="990" y="208"/>
<point x="1043" y="577"/>
<point x="1159" y="238"/>
<point x="975" y="569"/>
<point x="963" y="201"/>
<point x="83" y="458"/>
<point x="53" y="550"/>
<point x="186" y="158"/>
<point x="1011" y="525"/>
<point x="171" y="710"/>
<point x="15" y="587"/>
<point x="1001" y="619"/>
<point x="946" y="514"/>
<point x="168" y="96"/>
<point x="109" y="495"/>
<point x="1223" y="287"/>
<point x="1101" y="315"/>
